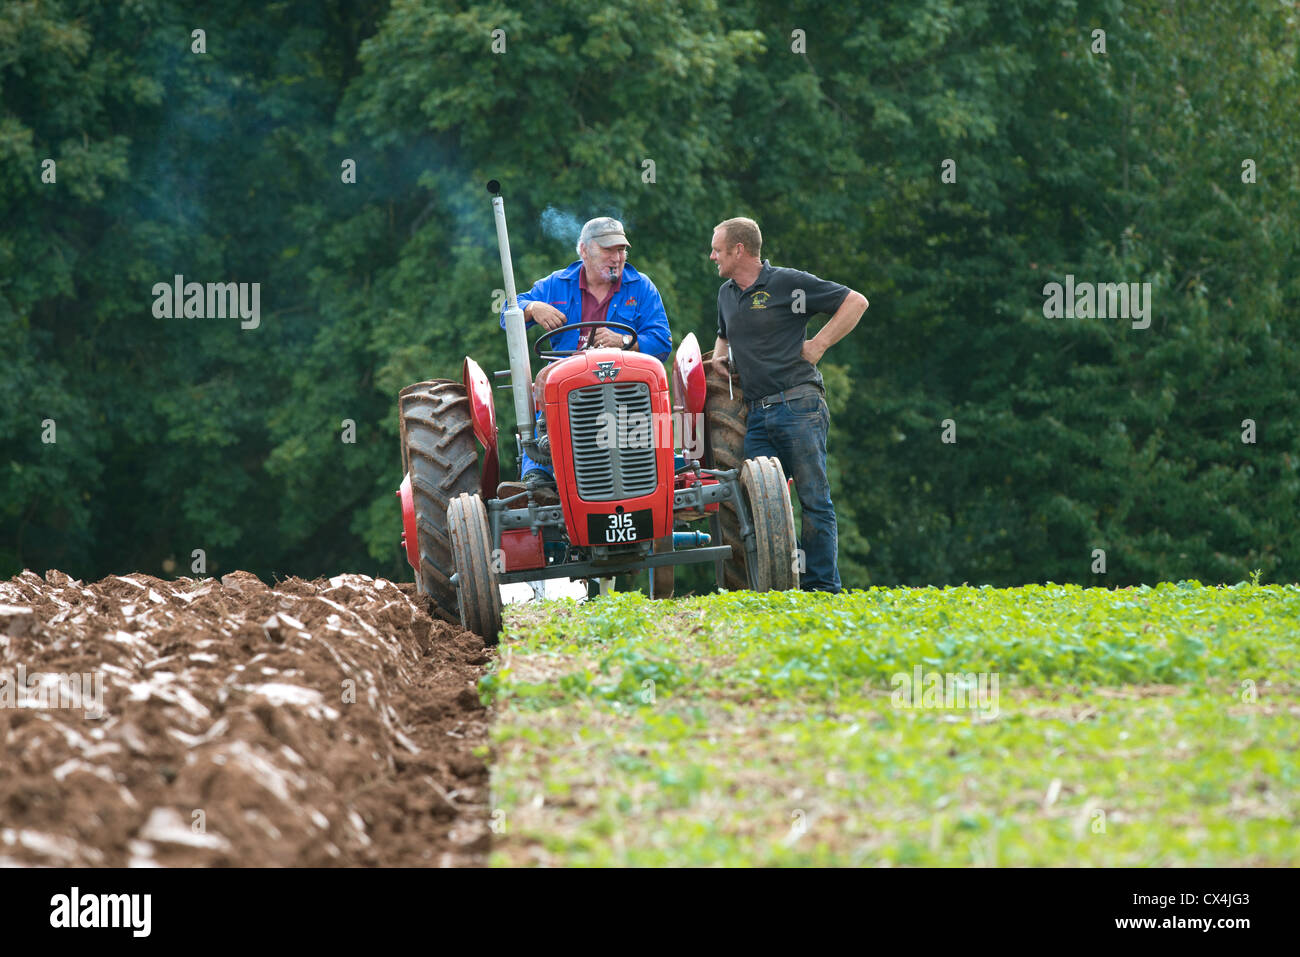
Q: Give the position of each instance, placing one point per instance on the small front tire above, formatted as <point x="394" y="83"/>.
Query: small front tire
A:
<point x="776" y="556"/>
<point x="477" y="587"/>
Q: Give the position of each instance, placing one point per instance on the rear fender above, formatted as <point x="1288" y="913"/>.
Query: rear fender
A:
<point x="484" y="416"/>
<point x="689" y="388"/>
<point x="410" y="538"/>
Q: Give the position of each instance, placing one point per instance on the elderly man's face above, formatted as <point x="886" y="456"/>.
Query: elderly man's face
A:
<point x="724" y="255"/>
<point x="603" y="263"/>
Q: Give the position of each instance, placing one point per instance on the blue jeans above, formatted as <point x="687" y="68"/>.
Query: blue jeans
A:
<point x="795" y="433"/>
<point x="526" y="465"/>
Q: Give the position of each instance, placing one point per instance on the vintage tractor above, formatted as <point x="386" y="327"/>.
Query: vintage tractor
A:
<point x="626" y="495"/>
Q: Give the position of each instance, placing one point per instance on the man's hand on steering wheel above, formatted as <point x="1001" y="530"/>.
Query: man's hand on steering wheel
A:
<point x="607" y="339"/>
<point x="617" y="329"/>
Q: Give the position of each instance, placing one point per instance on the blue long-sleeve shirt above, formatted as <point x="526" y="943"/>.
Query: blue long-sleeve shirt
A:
<point x="637" y="303"/>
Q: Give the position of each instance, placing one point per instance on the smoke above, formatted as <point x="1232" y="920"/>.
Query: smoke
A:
<point x="566" y="227"/>
<point x="557" y="224"/>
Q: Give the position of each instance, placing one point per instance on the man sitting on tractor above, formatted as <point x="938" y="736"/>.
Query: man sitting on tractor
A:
<point x="600" y="285"/>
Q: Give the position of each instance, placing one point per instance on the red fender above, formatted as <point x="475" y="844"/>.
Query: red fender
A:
<point x="484" y="415"/>
<point x="410" y="539"/>
<point x="689" y="389"/>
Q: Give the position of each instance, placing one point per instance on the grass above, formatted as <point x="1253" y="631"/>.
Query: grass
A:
<point x="1137" y="727"/>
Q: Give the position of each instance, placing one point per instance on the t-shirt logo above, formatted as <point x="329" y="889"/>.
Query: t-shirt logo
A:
<point x="759" y="301"/>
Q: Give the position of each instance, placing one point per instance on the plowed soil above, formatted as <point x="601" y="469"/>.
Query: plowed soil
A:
<point x="330" y="722"/>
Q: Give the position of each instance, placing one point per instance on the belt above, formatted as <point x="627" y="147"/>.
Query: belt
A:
<point x="794" y="392"/>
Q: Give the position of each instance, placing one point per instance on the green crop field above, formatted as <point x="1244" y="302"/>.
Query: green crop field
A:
<point x="1043" y="725"/>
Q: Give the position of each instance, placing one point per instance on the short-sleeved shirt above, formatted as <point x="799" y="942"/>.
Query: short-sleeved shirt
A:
<point x="764" y="332"/>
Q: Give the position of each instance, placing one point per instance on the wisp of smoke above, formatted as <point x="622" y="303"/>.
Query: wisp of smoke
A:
<point x="557" y="224"/>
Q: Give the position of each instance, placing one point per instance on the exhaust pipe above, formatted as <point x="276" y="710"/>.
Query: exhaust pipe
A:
<point x="521" y="370"/>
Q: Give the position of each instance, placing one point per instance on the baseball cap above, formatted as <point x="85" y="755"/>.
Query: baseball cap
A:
<point x="604" y="231"/>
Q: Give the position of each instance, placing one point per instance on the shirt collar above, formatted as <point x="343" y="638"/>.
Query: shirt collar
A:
<point x="582" y="279"/>
<point x="764" y="274"/>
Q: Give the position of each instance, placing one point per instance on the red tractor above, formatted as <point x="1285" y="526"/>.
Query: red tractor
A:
<point x="626" y="494"/>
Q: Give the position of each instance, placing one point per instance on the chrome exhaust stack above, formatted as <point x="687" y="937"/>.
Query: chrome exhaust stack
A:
<point x="521" y="371"/>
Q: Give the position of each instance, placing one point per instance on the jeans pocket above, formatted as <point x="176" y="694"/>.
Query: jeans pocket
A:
<point x="806" y="407"/>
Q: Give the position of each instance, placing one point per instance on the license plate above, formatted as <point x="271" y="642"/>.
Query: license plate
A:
<point x="620" y="527"/>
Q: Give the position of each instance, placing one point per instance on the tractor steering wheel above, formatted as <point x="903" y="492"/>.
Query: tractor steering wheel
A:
<point x="565" y="353"/>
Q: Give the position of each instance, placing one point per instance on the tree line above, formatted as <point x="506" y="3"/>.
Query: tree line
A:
<point x="957" y="165"/>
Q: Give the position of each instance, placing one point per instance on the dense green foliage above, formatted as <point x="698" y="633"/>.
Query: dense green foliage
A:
<point x="1072" y="434"/>
<point x="1127" y="727"/>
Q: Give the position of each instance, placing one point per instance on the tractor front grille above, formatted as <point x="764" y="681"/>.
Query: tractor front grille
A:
<point x="602" y="420"/>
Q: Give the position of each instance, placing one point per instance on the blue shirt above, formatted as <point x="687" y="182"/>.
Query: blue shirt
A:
<point x="635" y="303"/>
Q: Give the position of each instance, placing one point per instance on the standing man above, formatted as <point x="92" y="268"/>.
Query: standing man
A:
<point x="600" y="286"/>
<point x="763" y="313"/>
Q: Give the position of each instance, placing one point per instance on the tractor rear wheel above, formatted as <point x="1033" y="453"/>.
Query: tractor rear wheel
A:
<point x="476" y="578"/>
<point x="724" y="445"/>
<point x="774" y="564"/>
<point x="439" y="453"/>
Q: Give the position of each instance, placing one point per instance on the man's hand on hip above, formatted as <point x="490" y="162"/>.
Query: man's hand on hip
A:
<point x="546" y="315"/>
<point x="811" y="352"/>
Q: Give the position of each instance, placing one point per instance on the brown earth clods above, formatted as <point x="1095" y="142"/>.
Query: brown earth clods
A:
<point x="319" y="723"/>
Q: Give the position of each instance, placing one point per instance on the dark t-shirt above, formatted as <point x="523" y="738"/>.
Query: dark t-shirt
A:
<point x="765" y="334"/>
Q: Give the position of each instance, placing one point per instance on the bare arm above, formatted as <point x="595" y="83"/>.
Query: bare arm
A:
<point x="840" y="325"/>
<point x="720" y="353"/>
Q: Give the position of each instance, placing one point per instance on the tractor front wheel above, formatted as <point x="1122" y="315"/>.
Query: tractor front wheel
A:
<point x="477" y="586"/>
<point x="724" y="433"/>
<point x="773" y="563"/>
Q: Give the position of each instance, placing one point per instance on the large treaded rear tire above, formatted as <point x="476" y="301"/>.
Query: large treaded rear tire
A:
<point x="762" y="482"/>
<point x="477" y="583"/>
<point x="724" y="443"/>
<point x="439" y="452"/>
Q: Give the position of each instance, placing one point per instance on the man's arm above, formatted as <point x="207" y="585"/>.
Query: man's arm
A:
<point x="720" y="348"/>
<point x="651" y="325"/>
<point x="653" y="337"/>
<point x="535" y="294"/>
<point x="535" y="305"/>
<point x="840" y="325"/>
<point x="720" y="353"/>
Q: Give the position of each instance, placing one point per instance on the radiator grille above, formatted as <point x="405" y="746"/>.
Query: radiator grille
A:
<point x="616" y="472"/>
